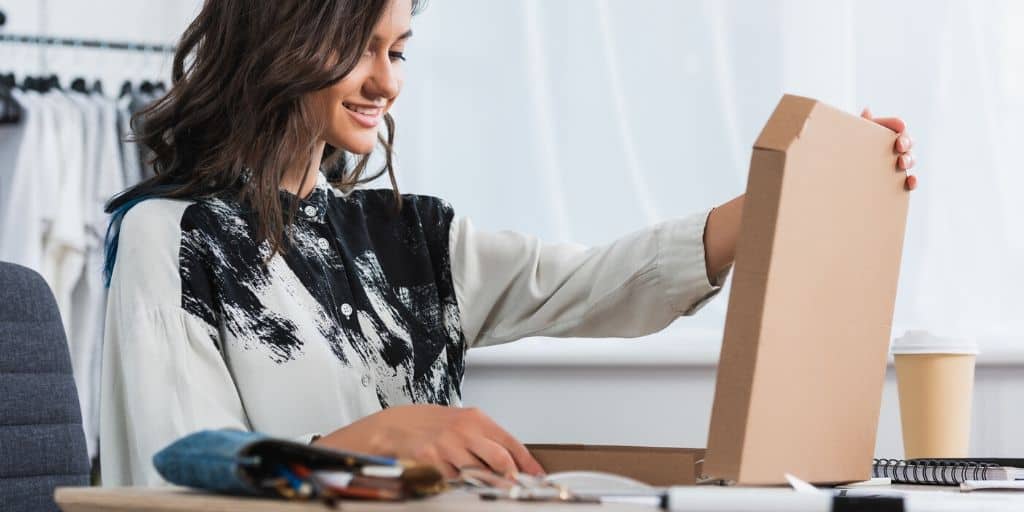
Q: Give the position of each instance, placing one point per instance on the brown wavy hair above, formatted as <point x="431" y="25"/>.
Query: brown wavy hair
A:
<point x="240" y="104"/>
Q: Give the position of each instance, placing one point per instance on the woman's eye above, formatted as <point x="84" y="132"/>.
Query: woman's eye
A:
<point x="396" y="56"/>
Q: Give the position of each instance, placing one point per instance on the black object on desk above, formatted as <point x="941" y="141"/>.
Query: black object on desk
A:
<point x="867" y="504"/>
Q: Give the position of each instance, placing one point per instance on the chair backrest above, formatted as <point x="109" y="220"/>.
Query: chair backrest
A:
<point x="42" y="445"/>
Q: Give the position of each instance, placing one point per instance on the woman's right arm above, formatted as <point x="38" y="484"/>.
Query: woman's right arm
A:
<point x="163" y="375"/>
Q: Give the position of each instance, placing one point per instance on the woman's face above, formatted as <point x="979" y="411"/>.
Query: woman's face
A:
<point x="357" y="103"/>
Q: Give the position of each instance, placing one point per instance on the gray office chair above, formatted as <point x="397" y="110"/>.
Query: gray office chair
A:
<point x="41" y="441"/>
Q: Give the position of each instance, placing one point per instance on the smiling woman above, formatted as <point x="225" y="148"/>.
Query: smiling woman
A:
<point x="253" y="284"/>
<point x="252" y="84"/>
<point x="359" y="101"/>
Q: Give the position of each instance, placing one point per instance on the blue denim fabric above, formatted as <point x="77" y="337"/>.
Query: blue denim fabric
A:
<point x="210" y="459"/>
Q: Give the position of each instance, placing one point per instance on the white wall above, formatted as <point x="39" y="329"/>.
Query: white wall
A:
<point x="145" y="21"/>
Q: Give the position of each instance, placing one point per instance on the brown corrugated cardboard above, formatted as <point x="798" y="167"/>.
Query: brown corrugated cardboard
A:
<point x="807" y="331"/>
<point x="654" y="466"/>
<point x="803" y="359"/>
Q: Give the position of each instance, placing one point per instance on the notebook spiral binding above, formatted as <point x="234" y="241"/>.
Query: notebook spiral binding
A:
<point x="927" y="471"/>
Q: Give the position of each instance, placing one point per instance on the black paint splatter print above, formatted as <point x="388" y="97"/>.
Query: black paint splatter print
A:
<point x="380" y="282"/>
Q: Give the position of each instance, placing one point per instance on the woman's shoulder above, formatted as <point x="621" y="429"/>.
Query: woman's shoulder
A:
<point x="162" y="221"/>
<point x="147" y="238"/>
<point x="172" y="211"/>
<point x="418" y="204"/>
<point x="154" y="216"/>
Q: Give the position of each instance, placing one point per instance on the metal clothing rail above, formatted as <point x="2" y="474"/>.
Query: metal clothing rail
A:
<point x="86" y="43"/>
<point x="81" y="43"/>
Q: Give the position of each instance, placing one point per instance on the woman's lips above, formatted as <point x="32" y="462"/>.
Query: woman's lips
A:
<point x="365" y="116"/>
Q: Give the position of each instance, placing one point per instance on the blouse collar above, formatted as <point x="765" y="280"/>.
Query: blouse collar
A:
<point x="313" y="207"/>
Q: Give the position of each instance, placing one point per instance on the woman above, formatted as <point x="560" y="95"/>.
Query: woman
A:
<point x="254" y="286"/>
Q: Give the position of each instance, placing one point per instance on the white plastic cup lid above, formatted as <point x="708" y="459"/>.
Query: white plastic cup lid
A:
<point x="924" y="342"/>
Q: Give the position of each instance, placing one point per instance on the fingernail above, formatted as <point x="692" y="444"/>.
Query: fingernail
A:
<point x="911" y="182"/>
<point x="904" y="143"/>
<point x="904" y="163"/>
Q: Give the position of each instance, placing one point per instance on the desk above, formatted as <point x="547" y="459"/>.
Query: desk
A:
<point x="128" y="499"/>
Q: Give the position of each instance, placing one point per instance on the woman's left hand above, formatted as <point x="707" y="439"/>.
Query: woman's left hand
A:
<point x="905" y="161"/>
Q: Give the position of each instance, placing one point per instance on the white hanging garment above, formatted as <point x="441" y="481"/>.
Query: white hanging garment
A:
<point x="21" y="218"/>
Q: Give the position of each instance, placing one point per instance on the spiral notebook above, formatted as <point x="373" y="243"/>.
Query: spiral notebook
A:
<point x="947" y="471"/>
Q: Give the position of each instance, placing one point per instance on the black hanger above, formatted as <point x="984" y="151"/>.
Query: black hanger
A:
<point x="78" y="84"/>
<point x="161" y="88"/>
<point x="10" y="109"/>
<point x="97" y="87"/>
<point x="53" y="82"/>
<point x="147" y="87"/>
<point x="126" y="89"/>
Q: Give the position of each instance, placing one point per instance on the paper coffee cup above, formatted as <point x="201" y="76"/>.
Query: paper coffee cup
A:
<point x="935" y="379"/>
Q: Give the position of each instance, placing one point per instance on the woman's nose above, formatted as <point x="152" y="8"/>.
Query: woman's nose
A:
<point x="385" y="81"/>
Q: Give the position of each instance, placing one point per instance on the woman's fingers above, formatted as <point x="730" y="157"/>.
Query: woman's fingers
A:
<point x="448" y="470"/>
<point x="905" y="161"/>
<point x="432" y="455"/>
<point x="455" y="456"/>
<point x="524" y="461"/>
<point x="494" y="455"/>
<point x="903" y="143"/>
<point x="902" y="146"/>
<point x="893" y="123"/>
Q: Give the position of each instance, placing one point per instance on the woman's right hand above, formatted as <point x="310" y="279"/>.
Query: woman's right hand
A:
<point x="446" y="437"/>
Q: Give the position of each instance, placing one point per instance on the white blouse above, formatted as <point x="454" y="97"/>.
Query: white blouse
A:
<point x="365" y="309"/>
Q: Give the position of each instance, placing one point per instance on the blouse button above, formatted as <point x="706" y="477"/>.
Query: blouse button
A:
<point x="365" y="381"/>
<point x="310" y="211"/>
<point x="323" y="243"/>
<point x="346" y="309"/>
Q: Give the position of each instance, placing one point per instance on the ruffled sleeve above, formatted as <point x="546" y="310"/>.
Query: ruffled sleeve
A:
<point x="163" y="373"/>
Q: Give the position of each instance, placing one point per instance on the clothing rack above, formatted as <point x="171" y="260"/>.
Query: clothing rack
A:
<point x="81" y="43"/>
<point x="86" y="43"/>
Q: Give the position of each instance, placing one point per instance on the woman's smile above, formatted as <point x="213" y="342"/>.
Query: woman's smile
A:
<point x="367" y="116"/>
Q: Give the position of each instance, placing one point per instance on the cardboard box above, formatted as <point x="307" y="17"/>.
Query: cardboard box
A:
<point x="800" y="376"/>
<point x="654" y="466"/>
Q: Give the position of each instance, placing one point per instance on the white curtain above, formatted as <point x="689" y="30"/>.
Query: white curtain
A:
<point x="584" y="119"/>
<point x="581" y="120"/>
